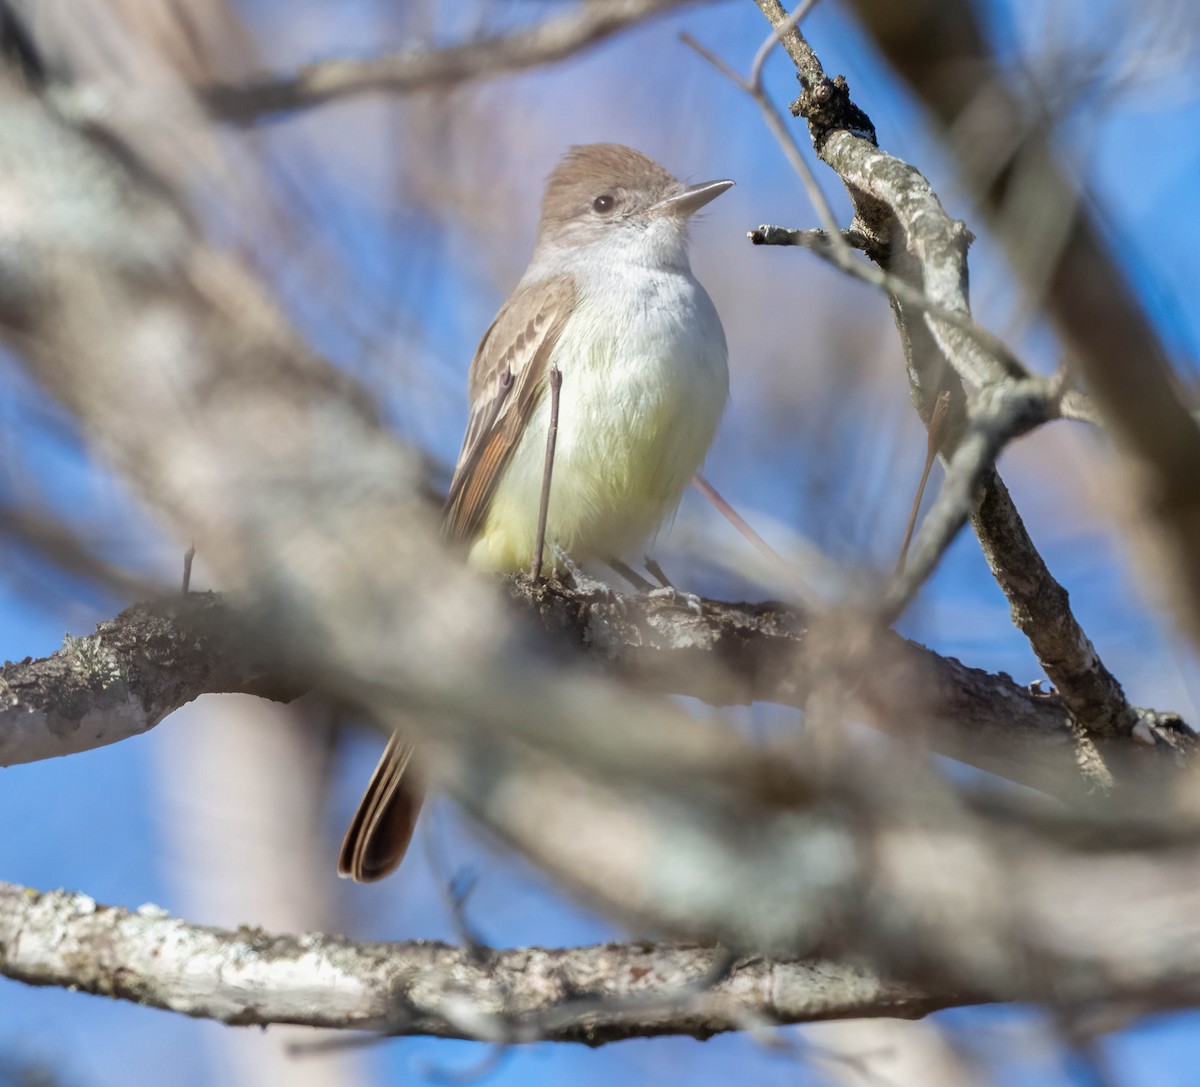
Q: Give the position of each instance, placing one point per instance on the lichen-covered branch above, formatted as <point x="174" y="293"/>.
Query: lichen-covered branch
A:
<point x="248" y="977"/>
<point x="904" y="228"/>
<point x="129" y="674"/>
<point x="941" y="51"/>
<point x="155" y="657"/>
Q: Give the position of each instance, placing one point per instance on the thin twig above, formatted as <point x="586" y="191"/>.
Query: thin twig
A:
<point x="780" y="131"/>
<point x="188" y="556"/>
<point x="1002" y="413"/>
<point x="776" y="36"/>
<point x="937" y="422"/>
<point x="807" y="597"/>
<point x="822" y="245"/>
<point x="539" y="542"/>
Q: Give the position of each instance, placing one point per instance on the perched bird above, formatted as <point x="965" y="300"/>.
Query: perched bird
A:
<point x="609" y="300"/>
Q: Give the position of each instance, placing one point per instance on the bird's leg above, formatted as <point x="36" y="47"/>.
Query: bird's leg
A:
<point x="658" y="572"/>
<point x="629" y="574"/>
<point x="669" y="593"/>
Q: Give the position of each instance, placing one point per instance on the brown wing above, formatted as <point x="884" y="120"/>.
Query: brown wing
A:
<point x="508" y="378"/>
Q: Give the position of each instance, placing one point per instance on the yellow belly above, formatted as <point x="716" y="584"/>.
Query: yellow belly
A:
<point x="612" y="488"/>
<point x="622" y="463"/>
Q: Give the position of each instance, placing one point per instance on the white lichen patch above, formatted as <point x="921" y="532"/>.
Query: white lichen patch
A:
<point x="602" y="636"/>
<point x="90" y="656"/>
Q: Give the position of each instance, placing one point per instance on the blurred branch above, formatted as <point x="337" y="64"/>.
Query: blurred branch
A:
<point x="18" y="47"/>
<point x="965" y="916"/>
<point x="592" y="995"/>
<point x="907" y="232"/>
<point x="52" y="540"/>
<point x="420" y="68"/>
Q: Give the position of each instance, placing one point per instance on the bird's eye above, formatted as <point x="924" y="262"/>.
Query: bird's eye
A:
<point x="603" y="204"/>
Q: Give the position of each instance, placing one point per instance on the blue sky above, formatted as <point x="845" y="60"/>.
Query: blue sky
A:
<point x="383" y="281"/>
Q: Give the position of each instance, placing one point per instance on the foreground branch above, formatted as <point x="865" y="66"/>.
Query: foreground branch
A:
<point x="249" y="977"/>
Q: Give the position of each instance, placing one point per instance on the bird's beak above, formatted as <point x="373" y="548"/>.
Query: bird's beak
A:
<point x="690" y="200"/>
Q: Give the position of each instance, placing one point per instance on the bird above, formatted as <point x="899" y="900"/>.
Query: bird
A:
<point x="608" y="301"/>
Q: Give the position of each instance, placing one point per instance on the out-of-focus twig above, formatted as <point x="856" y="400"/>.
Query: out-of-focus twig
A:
<point x="421" y="68"/>
<point x="748" y="532"/>
<point x="937" y="423"/>
<point x="55" y="541"/>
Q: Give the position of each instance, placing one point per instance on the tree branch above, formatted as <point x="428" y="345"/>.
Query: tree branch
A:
<point x="248" y="977"/>
<point x="941" y="51"/>
<point x="155" y="657"/>
<point x="125" y="678"/>
<point x="908" y="233"/>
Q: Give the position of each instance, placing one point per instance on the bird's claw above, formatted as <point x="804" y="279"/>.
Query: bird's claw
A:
<point x="676" y="599"/>
<point x="585" y="583"/>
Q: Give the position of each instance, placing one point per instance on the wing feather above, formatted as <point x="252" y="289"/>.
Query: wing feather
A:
<point x="507" y="381"/>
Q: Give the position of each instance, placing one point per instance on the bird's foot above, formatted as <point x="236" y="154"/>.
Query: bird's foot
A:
<point x="673" y="598"/>
<point x="574" y="578"/>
